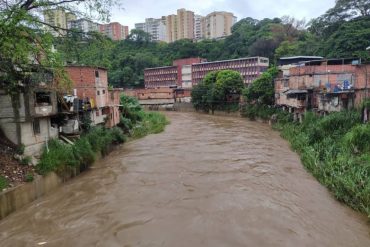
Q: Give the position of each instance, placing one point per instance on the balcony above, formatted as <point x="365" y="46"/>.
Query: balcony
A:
<point x="44" y="110"/>
<point x="44" y="103"/>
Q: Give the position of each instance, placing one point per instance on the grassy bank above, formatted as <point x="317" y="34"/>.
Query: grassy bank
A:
<point x="135" y="123"/>
<point x="335" y="149"/>
<point x="60" y="157"/>
<point x="151" y="123"/>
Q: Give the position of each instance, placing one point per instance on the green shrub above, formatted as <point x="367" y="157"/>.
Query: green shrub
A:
<point x="152" y="123"/>
<point x="117" y="135"/>
<point x="59" y="156"/>
<point x="3" y="183"/>
<point x="334" y="125"/>
<point x="98" y="137"/>
<point x="25" y="161"/>
<point x="29" y="177"/>
<point x="358" y="138"/>
<point x="253" y="111"/>
<point x="327" y="145"/>
<point x="131" y="109"/>
<point x="20" y="149"/>
<point x="125" y="124"/>
<point x="84" y="152"/>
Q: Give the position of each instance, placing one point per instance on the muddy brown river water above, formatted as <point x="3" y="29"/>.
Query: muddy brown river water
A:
<point x="206" y="181"/>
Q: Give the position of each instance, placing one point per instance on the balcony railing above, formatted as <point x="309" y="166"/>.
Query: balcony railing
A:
<point x="43" y="110"/>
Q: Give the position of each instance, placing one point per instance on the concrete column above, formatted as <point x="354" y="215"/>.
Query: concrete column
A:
<point x="300" y="117"/>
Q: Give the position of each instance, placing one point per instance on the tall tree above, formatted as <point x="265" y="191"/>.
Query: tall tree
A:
<point x="350" y="8"/>
<point x="262" y="89"/>
<point x="24" y="41"/>
<point x="217" y="89"/>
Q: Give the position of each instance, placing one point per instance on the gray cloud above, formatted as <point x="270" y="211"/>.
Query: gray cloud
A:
<point x="137" y="10"/>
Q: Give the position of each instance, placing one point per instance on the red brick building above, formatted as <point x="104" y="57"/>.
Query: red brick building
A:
<point x="182" y="65"/>
<point x="90" y="84"/>
<point x="190" y="71"/>
<point x="114" y="30"/>
<point x="323" y="85"/>
<point x="171" y="76"/>
<point x="250" y="68"/>
<point x="161" y="77"/>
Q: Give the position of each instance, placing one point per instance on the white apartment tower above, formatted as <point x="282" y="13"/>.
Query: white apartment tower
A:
<point x="198" y="27"/>
<point x="84" y="25"/>
<point x="155" y="27"/>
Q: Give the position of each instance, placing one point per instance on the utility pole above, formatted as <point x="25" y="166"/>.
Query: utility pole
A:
<point x="366" y="79"/>
<point x="366" y="93"/>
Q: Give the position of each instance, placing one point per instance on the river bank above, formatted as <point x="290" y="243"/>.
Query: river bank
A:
<point x="334" y="149"/>
<point x="61" y="162"/>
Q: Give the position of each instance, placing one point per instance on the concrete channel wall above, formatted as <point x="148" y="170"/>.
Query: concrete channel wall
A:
<point x="15" y="198"/>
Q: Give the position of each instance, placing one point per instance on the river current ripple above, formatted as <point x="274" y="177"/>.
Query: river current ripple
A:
<point x="205" y="181"/>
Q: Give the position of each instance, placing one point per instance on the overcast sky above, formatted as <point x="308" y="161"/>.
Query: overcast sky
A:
<point x="134" y="11"/>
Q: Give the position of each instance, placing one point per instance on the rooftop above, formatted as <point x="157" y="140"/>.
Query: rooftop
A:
<point x="230" y="60"/>
<point x="85" y="66"/>
<point x="164" y="67"/>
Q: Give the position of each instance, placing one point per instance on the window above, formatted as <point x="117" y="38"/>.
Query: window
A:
<point x="98" y="92"/>
<point x="103" y="91"/>
<point x="97" y="73"/>
<point x="36" y="126"/>
<point x="286" y="83"/>
<point x="42" y="98"/>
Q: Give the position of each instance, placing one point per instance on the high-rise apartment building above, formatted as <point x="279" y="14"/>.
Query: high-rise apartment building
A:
<point x="180" y="26"/>
<point x="58" y="18"/>
<point x="198" y="27"/>
<point x="171" y="28"/>
<point x="218" y="24"/>
<point x="114" y="30"/>
<point x="155" y="27"/>
<point x="185" y="24"/>
<point x="84" y="25"/>
<point x="140" y="26"/>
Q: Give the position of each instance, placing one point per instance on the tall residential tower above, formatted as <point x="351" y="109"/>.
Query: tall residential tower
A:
<point x="180" y="26"/>
<point x="218" y="24"/>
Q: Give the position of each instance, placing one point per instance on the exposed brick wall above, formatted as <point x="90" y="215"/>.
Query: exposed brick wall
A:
<point x="88" y="85"/>
<point x="151" y="93"/>
<point x="186" y="61"/>
<point x="161" y="77"/>
<point x="324" y="78"/>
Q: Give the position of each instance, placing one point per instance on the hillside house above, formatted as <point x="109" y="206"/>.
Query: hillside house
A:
<point x="90" y="87"/>
<point x="322" y="85"/>
<point x="28" y="121"/>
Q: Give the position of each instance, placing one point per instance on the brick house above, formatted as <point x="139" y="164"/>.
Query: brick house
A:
<point x="90" y="84"/>
<point x="323" y="85"/>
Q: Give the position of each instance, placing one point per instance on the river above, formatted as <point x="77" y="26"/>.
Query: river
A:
<point x="205" y="181"/>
